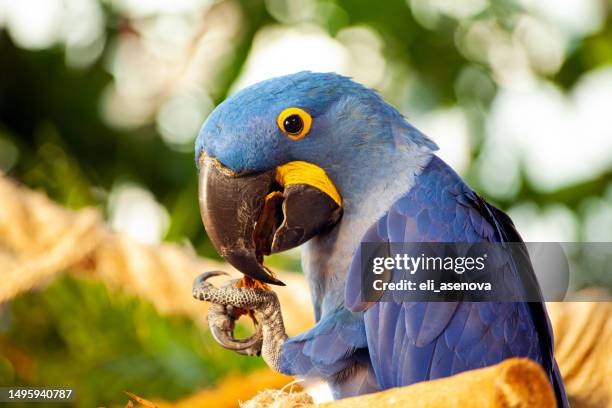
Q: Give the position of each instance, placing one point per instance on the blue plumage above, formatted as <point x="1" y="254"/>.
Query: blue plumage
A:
<point x="394" y="189"/>
<point x="440" y="339"/>
<point x="328" y="348"/>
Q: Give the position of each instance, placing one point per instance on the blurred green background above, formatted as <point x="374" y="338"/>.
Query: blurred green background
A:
<point x="100" y="102"/>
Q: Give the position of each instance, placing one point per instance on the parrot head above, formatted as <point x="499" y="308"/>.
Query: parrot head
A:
<point x="275" y="160"/>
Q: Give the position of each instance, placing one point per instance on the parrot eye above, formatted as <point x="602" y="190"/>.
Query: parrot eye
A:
<point x="294" y="123"/>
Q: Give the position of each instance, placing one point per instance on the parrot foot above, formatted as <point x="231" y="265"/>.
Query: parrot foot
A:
<point x="231" y="301"/>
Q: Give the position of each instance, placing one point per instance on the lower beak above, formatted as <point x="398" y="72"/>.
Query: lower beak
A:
<point x="247" y="216"/>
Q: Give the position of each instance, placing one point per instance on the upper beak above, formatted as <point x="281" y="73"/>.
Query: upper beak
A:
<point x="251" y="215"/>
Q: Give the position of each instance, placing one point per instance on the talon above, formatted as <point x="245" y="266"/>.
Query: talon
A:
<point x="221" y="321"/>
<point x="201" y="282"/>
<point x="222" y="318"/>
<point x="201" y="279"/>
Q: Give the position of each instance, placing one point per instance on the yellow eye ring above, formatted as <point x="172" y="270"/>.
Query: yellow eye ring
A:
<point x="294" y="123"/>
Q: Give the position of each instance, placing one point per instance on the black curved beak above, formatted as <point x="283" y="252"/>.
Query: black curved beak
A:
<point x="248" y="216"/>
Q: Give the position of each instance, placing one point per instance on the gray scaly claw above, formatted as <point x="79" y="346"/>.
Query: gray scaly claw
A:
<point x="222" y="319"/>
<point x="265" y="311"/>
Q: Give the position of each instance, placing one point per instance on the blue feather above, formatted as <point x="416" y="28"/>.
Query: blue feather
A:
<point x="440" y="339"/>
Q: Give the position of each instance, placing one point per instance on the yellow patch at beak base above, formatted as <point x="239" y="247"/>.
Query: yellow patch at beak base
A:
<point x="301" y="172"/>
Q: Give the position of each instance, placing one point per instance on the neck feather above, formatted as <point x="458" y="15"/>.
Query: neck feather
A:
<point x="368" y="191"/>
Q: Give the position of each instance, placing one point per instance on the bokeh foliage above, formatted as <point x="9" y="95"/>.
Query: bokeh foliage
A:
<point x="77" y="333"/>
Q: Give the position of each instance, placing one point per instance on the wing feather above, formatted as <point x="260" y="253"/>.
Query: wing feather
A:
<point x="416" y="341"/>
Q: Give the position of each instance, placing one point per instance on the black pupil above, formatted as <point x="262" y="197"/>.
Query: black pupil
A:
<point x="293" y="124"/>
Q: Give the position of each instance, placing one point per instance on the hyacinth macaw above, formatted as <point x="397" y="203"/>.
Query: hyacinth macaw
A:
<point x="319" y="160"/>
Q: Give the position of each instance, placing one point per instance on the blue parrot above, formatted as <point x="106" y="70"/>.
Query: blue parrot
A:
<point x="318" y="161"/>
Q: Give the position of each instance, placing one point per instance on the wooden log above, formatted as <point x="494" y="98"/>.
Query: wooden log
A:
<point x="516" y="382"/>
